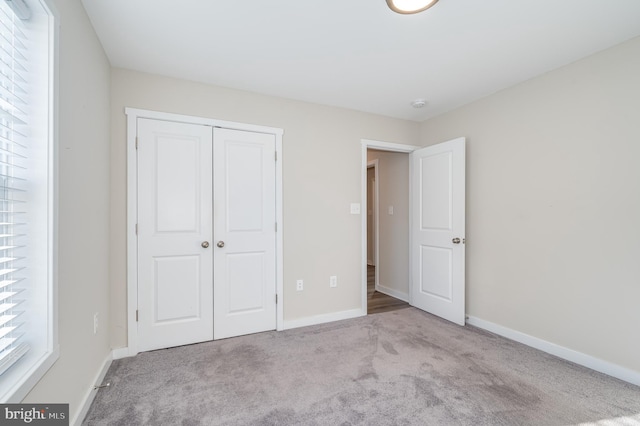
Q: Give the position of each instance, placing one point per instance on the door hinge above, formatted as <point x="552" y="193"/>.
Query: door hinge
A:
<point x="276" y="299"/>
<point x="276" y="155"/>
<point x="136" y="142"/>
<point x="276" y="226"/>
<point x="136" y="229"/>
<point x="136" y="315"/>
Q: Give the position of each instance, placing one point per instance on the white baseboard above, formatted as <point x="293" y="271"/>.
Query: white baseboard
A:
<point x="91" y="393"/>
<point x="580" y="358"/>
<point x="121" y="353"/>
<point x="393" y="293"/>
<point x="324" y="318"/>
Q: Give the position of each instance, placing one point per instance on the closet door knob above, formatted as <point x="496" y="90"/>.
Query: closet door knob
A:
<point x="205" y="244"/>
<point x="220" y="244"/>
<point x="456" y="241"/>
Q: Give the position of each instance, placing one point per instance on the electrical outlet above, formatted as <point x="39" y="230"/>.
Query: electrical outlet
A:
<point x="299" y="285"/>
<point x="95" y="323"/>
<point x="333" y="281"/>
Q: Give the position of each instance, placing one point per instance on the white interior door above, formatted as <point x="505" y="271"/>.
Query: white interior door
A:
<point x="438" y="230"/>
<point x="245" y="232"/>
<point x="175" y="270"/>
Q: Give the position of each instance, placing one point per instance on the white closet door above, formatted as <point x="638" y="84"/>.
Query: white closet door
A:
<point x="175" y="269"/>
<point x="245" y="235"/>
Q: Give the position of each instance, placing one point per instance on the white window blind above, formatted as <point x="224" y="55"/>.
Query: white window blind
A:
<point x="14" y="188"/>
<point x="28" y="196"/>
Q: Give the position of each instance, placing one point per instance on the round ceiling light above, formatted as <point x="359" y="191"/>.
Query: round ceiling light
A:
<point x="410" y="6"/>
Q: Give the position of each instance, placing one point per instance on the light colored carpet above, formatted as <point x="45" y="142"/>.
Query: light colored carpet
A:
<point x="403" y="367"/>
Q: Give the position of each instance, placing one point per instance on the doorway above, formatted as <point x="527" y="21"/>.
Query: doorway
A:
<point x="436" y="221"/>
<point x="388" y="231"/>
<point x="387" y="227"/>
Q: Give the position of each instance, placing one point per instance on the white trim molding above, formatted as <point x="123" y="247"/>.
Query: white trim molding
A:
<point x="375" y="164"/>
<point x="393" y="293"/>
<point x="91" y="393"/>
<point x="213" y="122"/>
<point x="133" y="115"/>
<point x="580" y="358"/>
<point x="389" y="146"/>
<point x="120" y="353"/>
<point x="324" y="318"/>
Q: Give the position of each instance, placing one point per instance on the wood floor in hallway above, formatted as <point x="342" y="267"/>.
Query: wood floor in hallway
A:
<point x="379" y="302"/>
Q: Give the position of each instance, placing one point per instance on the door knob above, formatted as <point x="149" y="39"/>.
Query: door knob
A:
<point x="205" y="244"/>
<point x="220" y="244"/>
<point x="456" y="241"/>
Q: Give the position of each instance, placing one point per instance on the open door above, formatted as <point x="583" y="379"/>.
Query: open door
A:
<point x="438" y="229"/>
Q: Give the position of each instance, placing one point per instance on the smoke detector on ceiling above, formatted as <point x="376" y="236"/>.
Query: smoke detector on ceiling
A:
<point x="418" y="103"/>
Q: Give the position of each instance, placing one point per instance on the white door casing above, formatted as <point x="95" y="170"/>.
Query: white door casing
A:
<point x="372" y="214"/>
<point x="174" y="219"/>
<point x="245" y="232"/>
<point x="438" y="230"/>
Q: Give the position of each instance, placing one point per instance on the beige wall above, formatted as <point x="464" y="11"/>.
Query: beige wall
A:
<point x="553" y="204"/>
<point x="321" y="168"/>
<point x="393" y="187"/>
<point x="83" y="211"/>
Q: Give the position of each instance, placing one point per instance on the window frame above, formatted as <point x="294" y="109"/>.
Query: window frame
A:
<point x="21" y="378"/>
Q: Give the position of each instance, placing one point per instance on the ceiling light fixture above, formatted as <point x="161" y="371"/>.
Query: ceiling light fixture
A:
<point x="407" y="7"/>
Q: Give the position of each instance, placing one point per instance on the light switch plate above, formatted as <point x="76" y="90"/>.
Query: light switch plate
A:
<point x="333" y="281"/>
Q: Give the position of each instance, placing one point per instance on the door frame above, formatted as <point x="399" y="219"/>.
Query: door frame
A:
<point x="133" y="114"/>
<point x="374" y="164"/>
<point x="381" y="146"/>
<point x="375" y="206"/>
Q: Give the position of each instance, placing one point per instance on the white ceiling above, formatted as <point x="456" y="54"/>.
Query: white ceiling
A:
<point x="358" y="54"/>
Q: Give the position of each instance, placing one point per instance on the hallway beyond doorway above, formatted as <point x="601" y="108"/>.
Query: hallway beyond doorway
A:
<point x="379" y="302"/>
